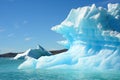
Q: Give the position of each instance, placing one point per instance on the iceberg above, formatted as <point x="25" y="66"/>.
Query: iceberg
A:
<point x="92" y="38"/>
<point x="33" y="53"/>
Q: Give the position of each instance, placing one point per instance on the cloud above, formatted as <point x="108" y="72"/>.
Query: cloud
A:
<point x="25" y="22"/>
<point x="28" y="38"/>
<point x="2" y="30"/>
<point x="11" y="35"/>
<point x="21" y="24"/>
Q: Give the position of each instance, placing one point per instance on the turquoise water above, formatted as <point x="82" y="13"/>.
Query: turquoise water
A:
<point x="9" y="71"/>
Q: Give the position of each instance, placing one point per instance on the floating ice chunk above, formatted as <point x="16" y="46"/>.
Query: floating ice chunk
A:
<point x="34" y="53"/>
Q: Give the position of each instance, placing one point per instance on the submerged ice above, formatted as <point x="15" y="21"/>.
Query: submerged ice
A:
<point x="93" y="38"/>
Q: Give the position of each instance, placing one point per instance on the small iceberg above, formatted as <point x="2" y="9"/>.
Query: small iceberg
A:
<point x="33" y="53"/>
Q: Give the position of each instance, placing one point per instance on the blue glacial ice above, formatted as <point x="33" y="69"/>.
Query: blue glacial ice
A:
<point x="92" y="37"/>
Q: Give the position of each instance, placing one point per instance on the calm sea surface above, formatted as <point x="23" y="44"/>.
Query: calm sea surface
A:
<point x="9" y="71"/>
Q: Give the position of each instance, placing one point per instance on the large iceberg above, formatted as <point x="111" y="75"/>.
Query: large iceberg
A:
<point x="93" y="38"/>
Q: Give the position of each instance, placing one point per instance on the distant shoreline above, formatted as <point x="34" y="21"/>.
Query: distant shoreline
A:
<point x="12" y="54"/>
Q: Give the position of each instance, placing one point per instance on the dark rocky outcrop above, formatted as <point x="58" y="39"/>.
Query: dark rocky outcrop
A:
<point x="8" y="54"/>
<point x="58" y="51"/>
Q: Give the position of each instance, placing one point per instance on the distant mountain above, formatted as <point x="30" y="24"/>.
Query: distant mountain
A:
<point x="11" y="54"/>
<point x="58" y="51"/>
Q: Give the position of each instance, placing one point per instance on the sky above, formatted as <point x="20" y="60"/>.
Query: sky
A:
<point x="26" y="23"/>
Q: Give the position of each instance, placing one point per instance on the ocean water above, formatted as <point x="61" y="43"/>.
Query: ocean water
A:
<point x="9" y="71"/>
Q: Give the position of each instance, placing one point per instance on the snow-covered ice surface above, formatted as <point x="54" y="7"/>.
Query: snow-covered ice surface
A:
<point x="93" y="38"/>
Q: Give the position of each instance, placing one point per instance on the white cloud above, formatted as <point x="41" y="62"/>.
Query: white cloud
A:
<point x="11" y="35"/>
<point x="28" y="38"/>
<point x="2" y="30"/>
<point x="19" y="25"/>
<point x="25" y="22"/>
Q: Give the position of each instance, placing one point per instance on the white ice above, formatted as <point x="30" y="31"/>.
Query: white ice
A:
<point x="33" y="53"/>
<point x="93" y="38"/>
